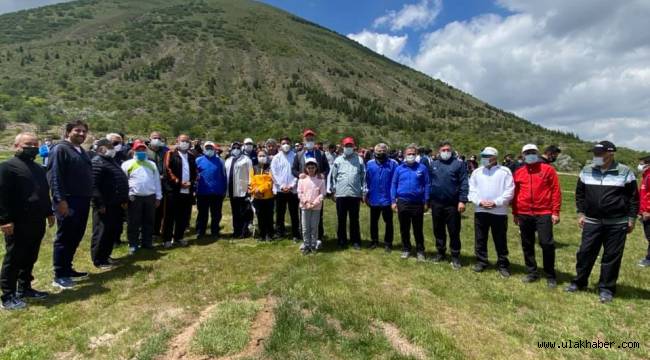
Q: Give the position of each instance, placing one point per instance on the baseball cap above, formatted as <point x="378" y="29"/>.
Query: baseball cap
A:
<point x="248" y="141"/>
<point x="348" y="140"/>
<point x="528" y="147"/>
<point x="311" y="161"/>
<point x="209" y="143"/>
<point x="603" y="146"/>
<point x="235" y="143"/>
<point x="308" y="132"/>
<point x="138" y="144"/>
<point x="489" y="151"/>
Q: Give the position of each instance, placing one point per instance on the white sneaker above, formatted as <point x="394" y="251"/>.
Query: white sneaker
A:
<point x="318" y="244"/>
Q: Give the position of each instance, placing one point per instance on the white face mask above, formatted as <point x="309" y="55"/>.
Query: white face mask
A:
<point x="110" y="153"/>
<point x="598" y="161"/>
<point x="309" y="145"/>
<point x="531" y="158"/>
<point x="184" y="146"/>
<point x="445" y="155"/>
<point x="156" y="143"/>
<point x="285" y="147"/>
<point x="642" y="167"/>
<point x="410" y="159"/>
<point x="235" y="152"/>
<point x="262" y="160"/>
<point x="248" y="147"/>
<point x="209" y="153"/>
<point x="348" y="151"/>
<point x="485" y="162"/>
<point x="117" y="147"/>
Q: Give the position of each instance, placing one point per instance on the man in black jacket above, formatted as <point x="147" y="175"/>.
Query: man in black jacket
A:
<point x="24" y="206"/>
<point x="70" y="174"/>
<point x="180" y="178"/>
<point x="110" y="199"/>
<point x="607" y="199"/>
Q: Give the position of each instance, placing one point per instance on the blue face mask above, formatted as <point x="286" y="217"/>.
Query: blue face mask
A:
<point x="209" y="153"/>
<point x="531" y="158"/>
<point x="141" y="156"/>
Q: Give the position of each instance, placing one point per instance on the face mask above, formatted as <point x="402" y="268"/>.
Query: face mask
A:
<point x="117" y="147"/>
<point x="531" y="158"/>
<point x="285" y="147"/>
<point x="141" y="156"/>
<point x="552" y="159"/>
<point x="642" y="167"/>
<point x="348" y="151"/>
<point x="598" y="161"/>
<point x="410" y="159"/>
<point x="235" y="152"/>
<point x="28" y="152"/>
<point x="110" y="153"/>
<point x="48" y="143"/>
<point x="184" y="146"/>
<point x="485" y="161"/>
<point x="261" y="160"/>
<point x="309" y="145"/>
<point x="445" y="155"/>
<point x="209" y="153"/>
<point x="248" y="147"/>
<point x="156" y="143"/>
<point x="380" y="156"/>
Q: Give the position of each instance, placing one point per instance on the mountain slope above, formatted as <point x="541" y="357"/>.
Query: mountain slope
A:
<point x="228" y="69"/>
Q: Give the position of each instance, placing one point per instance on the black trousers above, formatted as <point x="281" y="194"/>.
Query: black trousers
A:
<point x="141" y="219"/>
<point x="69" y="233"/>
<point x="446" y="219"/>
<point x="543" y="226"/>
<point x="264" y="211"/>
<point x="159" y="215"/>
<point x="646" y="231"/>
<point x="612" y="239"/>
<point x="21" y="254"/>
<point x="348" y="207"/>
<point x="411" y="215"/>
<point x="238" y="207"/>
<point x="178" y="210"/>
<point x="386" y="213"/>
<point x="107" y="229"/>
<point x="498" y="224"/>
<point x="282" y="201"/>
<point x="208" y="205"/>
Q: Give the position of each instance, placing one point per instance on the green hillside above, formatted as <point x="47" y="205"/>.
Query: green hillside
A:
<point x="228" y="69"/>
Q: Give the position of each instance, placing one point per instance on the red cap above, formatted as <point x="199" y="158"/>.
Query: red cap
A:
<point x="308" y="132"/>
<point x="138" y="144"/>
<point x="347" y="140"/>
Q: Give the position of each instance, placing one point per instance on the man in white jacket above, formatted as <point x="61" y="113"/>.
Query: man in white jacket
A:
<point x="491" y="188"/>
<point x="238" y="168"/>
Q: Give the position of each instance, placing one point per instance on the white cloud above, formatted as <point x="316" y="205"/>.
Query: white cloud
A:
<point x="387" y="45"/>
<point x="15" y="5"/>
<point x="417" y="16"/>
<point x="579" y="65"/>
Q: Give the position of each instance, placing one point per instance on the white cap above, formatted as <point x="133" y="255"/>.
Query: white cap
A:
<point x="208" y="143"/>
<point x="489" y="151"/>
<point x="248" y="141"/>
<point x="529" y="147"/>
<point x="311" y="160"/>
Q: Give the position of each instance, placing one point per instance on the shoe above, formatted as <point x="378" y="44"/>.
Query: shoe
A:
<point x="296" y="240"/>
<point x="183" y="242"/>
<point x="421" y="257"/>
<point x="63" y="283"/>
<point x="479" y="267"/>
<point x="167" y="244"/>
<point x="306" y="251"/>
<point x="268" y="238"/>
<point x="438" y="258"/>
<point x="104" y="266"/>
<point x="147" y="247"/>
<point x="13" y="303"/>
<point x="112" y="261"/>
<point x="373" y="244"/>
<point x="405" y="255"/>
<point x="388" y="248"/>
<point x="134" y="249"/>
<point x="31" y="294"/>
<point x="644" y="263"/>
<point x="551" y="283"/>
<point x="504" y="272"/>
<point x="606" y="297"/>
<point x="200" y="236"/>
<point x="573" y="287"/>
<point x="455" y="263"/>
<point x="319" y="244"/>
<point x="530" y="278"/>
<point x="356" y="246"/>
<point x="78" y="275"/>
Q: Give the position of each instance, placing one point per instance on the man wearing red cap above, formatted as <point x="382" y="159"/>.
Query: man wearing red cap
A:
<point x="347" y="183"/>
<point x="644" y="206"/>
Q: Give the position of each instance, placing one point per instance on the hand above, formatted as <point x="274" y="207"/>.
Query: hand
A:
<point x="125" y="205"/>
<point x="157" y="203"/>
<point x="62" y="208"/>
<point x="461" y="207"/>
<point x="555" y="219"/>
<point x="487" y="204"/>
<point x="102" y="210"/>
<point x="186" y="185"/>
<point x="7" y="229"/>
<point x="581" y="221"/>
<point x="630" y="226"/>
<point x="394" y="207"/>
<point x="515" y="219"/>
<point x="50" y="220"/>
<point x="645" y="216"/>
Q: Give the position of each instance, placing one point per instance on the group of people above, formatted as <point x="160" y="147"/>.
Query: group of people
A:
<point x="153" y="187"/>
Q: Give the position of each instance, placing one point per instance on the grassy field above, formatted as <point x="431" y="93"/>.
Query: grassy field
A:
<point x="218" y="298"/>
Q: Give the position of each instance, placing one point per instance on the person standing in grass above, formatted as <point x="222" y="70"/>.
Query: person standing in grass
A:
<point x="644" y="205"/>
<point x="156" y="152"/>
<point x="536" y="209"/>
<point x="284" y="189"/>
<point x="491" y="188"/>
<point x="348" y="186"/>
<point x="607" y="200"/>
<point x="238" y="170"/>
<point x="410" y="198"/>
<point x="311" y="192"/>
<point x="262" y="192"/>
<point x="210" y="190"/>
<point x="70" y="176"/>
<point x="24" y="207"/>
<point x="379" y="177"/>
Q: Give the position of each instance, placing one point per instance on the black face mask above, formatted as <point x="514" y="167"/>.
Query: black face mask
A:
<point x="28" y="153"/>
<point x="380" y="156"/>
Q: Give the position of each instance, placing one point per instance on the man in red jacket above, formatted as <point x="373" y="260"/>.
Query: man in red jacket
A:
<point x="644" y="205"/>
<point x="536" y="208"/>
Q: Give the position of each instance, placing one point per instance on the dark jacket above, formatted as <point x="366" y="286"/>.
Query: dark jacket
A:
<point x="449" y="184"/>
<point x="173" y="165"/>
<point x="110" y="184"/>
<point x="69" y="172"/>
<point x="24" y="192"/>
<point x="609" y="195"/>
<point x="158" y="157"/>
<point x="298" y="166"/>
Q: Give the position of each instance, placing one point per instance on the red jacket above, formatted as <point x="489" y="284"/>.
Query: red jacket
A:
<point x="644" y="193"/>
<point x="537" y="190"/>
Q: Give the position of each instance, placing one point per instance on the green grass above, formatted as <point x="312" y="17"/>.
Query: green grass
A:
<point x="328" y="305"/>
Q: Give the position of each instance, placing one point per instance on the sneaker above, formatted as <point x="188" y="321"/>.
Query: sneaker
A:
<point x="134" y="249"/>
<point x="478" y="267"/>
<point x="438" y="258"/>
<point x="504" y="272"/>
<point x="530" y="278"/>
<point x="78" y="275"/>
<point x="455" y="263"/>
<point x="200" y="236"/>
<point x="405" y="255"/>
<point x="104" y="266"/>
<point x="606" y="297"/>
<point x="13" y="303"/>
<point x="31" y="294"/>
<point x="421" y="257"/>
<point x="268" y="238"/>
<point x="373" y="244"/>
<point x="296" y="240"/>
<point x="319" y="244"/>
<point x="573" y="287"/>
<point x="551" y="283"/>
<point x="388" y="248"/>
<point x="167" y="244"/>
<point x="183" y="242"/>
<point x="63" y="283"/>
<point x="356" y="246"/>
<point x="112" y="261"/>
<point x="644" y="263"/>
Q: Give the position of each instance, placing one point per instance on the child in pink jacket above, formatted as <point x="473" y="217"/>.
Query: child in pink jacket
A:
<point x="311" y="192"/>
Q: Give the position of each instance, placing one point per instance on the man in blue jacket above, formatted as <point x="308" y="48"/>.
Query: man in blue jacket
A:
<point x="379" y="176"/>
<point x="449" y="188"/>
<point x="69" y="172"/>
<point x="211" y="190"/>
<point x="410" y="198"/>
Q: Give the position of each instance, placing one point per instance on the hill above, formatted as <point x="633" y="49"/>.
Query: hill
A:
<point x="229" y="69"/>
